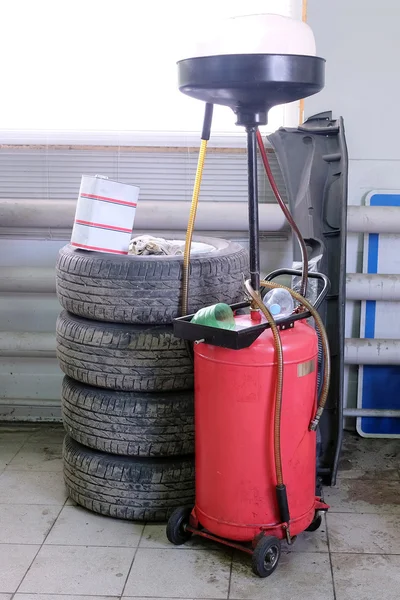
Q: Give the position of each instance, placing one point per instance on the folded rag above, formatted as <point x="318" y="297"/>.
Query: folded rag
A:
<point x="148" y="244"/>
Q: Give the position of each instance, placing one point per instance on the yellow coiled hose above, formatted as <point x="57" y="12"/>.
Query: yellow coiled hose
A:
<point x="190" y="227"/>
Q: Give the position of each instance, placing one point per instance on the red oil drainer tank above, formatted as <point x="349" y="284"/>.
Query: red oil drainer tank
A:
<point x="234" y="416"/>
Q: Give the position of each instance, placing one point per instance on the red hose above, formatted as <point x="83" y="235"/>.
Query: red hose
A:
<point x="286" y="212"/>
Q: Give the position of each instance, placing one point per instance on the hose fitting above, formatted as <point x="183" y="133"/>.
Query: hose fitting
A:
<point x="315" y="422"/>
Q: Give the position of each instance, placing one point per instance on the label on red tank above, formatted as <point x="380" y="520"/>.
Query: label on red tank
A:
<point x="305" y="368"/>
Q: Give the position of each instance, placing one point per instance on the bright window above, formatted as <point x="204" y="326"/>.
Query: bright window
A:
<point x="109" y="65"/>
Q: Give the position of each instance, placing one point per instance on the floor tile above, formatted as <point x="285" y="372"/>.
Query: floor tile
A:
<point x="299" y="576"/>
<point x="5" y="596"/>
<point x="26" y="524"/>
<point x="30" y="487"/>
<point x="310" y="541"/>
<point x="7" y="452"/>
<point x="78" y="570"/>
<point x="154" y="537"/>
<point x="48" y="435"/>
<point x="37" y="457"/>
<point x="359" y="533"/>
<point x="364" y="496"/>
<point x="78" y="527"/>
<point x="60" y="597"/>
<point x="14" y="563"/>
<point x="367" y="458"/>
<point x="363" y="577"/>
<point x="197" y="574"/>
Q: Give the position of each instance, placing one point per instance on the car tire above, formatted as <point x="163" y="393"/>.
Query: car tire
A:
<point x="139" y="489"/>
<point x="129" y="423"/>
<point x="132" y="358"/>
<point x="148" y="289"/>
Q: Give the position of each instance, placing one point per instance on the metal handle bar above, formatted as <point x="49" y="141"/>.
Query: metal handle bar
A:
<point x="322" y="295"/>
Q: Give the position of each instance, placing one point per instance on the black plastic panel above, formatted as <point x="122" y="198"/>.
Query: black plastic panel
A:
<point x="314" y="164"/>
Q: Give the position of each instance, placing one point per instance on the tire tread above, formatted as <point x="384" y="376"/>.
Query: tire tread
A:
<point x="134" y="289"/>
<point x="122" y="357"/>
<point x="126" y="423"/>
<point x="126" y="487"/>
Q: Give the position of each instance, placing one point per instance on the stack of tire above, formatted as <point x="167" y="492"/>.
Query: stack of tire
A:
<point x="127" y="395"/>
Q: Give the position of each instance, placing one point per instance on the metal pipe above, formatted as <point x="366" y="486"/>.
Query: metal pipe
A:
<point x="150" y="216"/>
<point x="366" y="286"/>
<point x="371" y="412"/>
<point x="254" y="245"/>
<point x="373" y="219"/>
<point x="357" y="351"/>
<point x="212" y="216"/>
<point x="371" y="352"/>
<point x="27" y="344"/>
<point x="28" y="279"/>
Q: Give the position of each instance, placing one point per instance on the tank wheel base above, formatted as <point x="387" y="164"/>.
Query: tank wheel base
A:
<point x="176" y="526"/>
<point x="315" y="523"/>
<point x="266" y="556"/>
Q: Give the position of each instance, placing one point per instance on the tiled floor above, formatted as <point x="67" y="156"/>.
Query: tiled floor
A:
<point x="52" y="549"/>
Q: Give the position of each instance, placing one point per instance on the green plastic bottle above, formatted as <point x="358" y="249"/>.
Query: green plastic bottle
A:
<point x="218" y="315"/>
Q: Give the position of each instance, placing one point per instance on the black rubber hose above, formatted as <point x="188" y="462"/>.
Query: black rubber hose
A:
<point x="286" y="212"/>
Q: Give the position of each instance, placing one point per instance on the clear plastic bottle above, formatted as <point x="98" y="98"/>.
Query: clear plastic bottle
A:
<point x="279" y="303"/>
<point x="218" y="315"/>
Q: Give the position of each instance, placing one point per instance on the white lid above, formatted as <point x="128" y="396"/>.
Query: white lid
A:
<point x="255" y="34"/>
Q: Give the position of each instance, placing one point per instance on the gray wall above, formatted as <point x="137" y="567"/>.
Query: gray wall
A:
<point x="361" y="43"/>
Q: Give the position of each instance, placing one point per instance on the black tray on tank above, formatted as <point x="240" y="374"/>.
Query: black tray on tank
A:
<point x="225" y="338"/>
<point x="243" y="338"/>
<point x="251" y="84"/>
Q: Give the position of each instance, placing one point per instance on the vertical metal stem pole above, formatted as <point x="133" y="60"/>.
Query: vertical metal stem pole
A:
<point x="254" y="246"/>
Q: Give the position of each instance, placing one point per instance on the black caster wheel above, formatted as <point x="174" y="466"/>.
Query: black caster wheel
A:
<point x="266" y="556"/>
<point x="315" y="523"/>
<point x="176" y="526"/>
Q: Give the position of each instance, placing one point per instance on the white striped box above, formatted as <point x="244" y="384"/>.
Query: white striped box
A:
<point x="104" y="216"/>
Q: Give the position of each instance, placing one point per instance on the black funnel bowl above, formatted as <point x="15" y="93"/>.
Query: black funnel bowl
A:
<point x="251" y="84"/>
